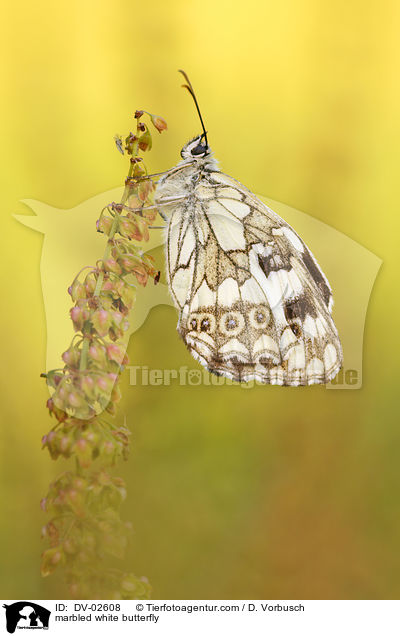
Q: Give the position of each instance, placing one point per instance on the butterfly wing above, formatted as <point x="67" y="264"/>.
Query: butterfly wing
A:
<point x="253" y="301"/>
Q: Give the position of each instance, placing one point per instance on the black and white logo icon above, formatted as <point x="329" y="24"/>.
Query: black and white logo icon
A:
<point x="26" y="615"/>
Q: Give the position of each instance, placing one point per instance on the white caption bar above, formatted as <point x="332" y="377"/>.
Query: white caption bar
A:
<point x="279" y="618"/>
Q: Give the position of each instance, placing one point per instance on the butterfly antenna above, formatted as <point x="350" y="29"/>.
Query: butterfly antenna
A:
<point x="189" y="87"/>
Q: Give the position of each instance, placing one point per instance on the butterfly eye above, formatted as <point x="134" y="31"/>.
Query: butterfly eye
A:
<point x="200" y="149"/>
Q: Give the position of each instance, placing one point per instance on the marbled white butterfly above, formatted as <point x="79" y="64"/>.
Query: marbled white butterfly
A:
<point x="253" y="302"/>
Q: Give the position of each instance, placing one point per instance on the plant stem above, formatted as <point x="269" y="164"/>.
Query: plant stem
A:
<point x="99" y="283"/>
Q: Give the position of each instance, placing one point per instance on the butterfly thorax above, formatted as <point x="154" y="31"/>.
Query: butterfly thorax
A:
<point x="182" y="182"/>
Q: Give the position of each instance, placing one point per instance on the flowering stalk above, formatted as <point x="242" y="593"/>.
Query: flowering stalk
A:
<point x="85" y="530"/>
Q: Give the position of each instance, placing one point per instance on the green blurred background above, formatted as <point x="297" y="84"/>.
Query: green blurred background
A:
<point x="263" y="493"/>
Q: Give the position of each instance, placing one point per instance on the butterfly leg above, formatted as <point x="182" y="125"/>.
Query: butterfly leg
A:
<point x="157" y="206"/>
<point x="166" y="172"/>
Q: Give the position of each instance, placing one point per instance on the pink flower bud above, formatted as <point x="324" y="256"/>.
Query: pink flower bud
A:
<point x="111" y="265"/>
<point x="71" y="357"/>
<point x="77" y="317"/>
<point x="77" y="290"/>
<point x="103" y="384"/>
<point x="76" y="399"/>
<point x="114" y="352"/>
<point x="117" y="317"/>
<point x="104" y="225"/>
<point x="128" y="585"/>
<point x="79" y="483"/>
<point x="108" y="447"/>
<point x="74" y="590"/>
<point x="65" y="443"/>
<point x="69" y="547"/>
<point x="101" y="321"/>
<point x="87" y="386"/>
<point x="97" y="352"/>
<point x="61" y="394"/>
<point x="56" y="558"/>
<point x="129" y="229"/>
<point x="108" y="285"/>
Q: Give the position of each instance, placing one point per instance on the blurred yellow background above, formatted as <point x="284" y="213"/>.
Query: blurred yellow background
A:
<point x="263" y="493"/>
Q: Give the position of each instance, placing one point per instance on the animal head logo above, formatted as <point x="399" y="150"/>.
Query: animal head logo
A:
<point x="71" y="242"/>
<point x="26" y="615"/>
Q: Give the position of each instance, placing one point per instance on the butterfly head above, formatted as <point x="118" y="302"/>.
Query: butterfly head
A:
<point x="195" y="149"/>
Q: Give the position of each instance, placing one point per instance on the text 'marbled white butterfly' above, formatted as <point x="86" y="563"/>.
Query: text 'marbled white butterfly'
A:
<point x="253" y="302"/>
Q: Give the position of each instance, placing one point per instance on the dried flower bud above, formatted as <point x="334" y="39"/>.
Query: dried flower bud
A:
<point x="59" y="413"/>
<point x="159" y="123"/>
<point x="138" y="171"/>
<point x="145" y="141"/>
<point x="141" y="274"/>
<point x="130" y="143"/>
<point x="145" y="187"/>
<point x="138" y="114"/>
<point x="143" y="228"/>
